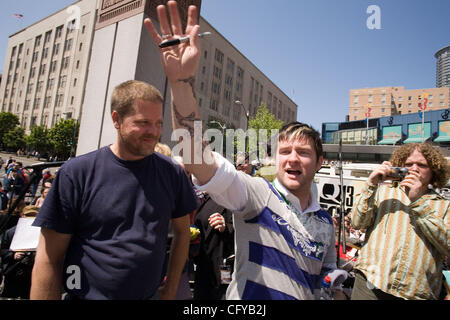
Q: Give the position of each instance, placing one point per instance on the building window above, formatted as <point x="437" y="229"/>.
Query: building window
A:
<point x="59" y="100"/>
<point x="42" y="70"/>
<point x="50" y="83"/>
<point x="37" y="41"/>
<point x="30" y="88"/>
<point x="58" y="32"/>
<point x="53" y="66"/>
<point x="35" y="56"/>
<point x="47" y="36"/>
<point x="65" y="63"/>
<point x="219" y="56"/>
<point x="62" y="81"/>
<point x="68" y="44"/>
<point x="55" y="49"/>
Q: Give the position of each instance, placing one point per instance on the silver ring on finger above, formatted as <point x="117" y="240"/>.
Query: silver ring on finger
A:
<point x="166" y="36"/>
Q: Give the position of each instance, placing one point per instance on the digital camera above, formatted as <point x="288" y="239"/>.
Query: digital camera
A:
<point x="398" y="173"/>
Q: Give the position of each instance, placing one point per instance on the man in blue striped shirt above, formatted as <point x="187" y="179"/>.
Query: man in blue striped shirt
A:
<point x="284" y="240"/>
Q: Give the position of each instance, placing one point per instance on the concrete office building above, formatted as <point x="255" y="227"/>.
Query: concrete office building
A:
<point x="46" y="67"/>
<point x="443" y="67"/>
<point x="60" y="68"/>
<point x="122" y="50"/>
<point x="390" y="101"/>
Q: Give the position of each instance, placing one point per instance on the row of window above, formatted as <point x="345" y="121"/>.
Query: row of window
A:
<point x="399" y="99"/>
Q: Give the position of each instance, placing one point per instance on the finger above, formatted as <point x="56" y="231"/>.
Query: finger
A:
<point x="192" y="19"/>
<point x="163" y="20"/>
<point x="216" y="221"/>
<point x="175" y="18"/>
<point x="152" y="31"/>
<point x="193" y="37"/>
<point x="216" y="214"/>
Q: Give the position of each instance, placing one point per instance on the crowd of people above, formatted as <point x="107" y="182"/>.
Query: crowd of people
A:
<point x="126" y="222"/>
<point x="16" y="266"/>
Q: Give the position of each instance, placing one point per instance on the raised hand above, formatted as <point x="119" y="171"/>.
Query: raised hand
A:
<point x="380" y="173"/>
<point x="180" y="62"/>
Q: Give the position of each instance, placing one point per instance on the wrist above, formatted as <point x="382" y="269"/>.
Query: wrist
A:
<point x="182" y="82"/>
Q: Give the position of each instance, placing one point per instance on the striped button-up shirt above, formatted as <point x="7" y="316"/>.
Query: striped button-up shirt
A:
<point x="405" y="241"/>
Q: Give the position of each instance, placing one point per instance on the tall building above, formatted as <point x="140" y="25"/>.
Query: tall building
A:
<point x="443" y="67"/>
<point x="46" y="66"/>
<point x="389" y="101"/>
<point x="66" y="67"/>
<point x="227" y="84"/>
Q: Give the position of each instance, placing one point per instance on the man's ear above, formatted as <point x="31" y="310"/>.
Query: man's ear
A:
<point x="319" y="163"/>
<point x="115" y="119"/>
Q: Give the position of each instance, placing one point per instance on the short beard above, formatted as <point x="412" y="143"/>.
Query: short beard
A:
<point x="137" y="152"/>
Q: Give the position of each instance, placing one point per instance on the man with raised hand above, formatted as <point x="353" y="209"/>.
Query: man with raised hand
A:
<point x="284" y="241"/>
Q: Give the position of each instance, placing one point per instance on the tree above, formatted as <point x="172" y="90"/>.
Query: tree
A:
<point x="38" y="139"/>
<point x="264" y="120"/>
<point x="8" y="122"/>
<point x="15" y="138"/>
<point x="63" y="136"/>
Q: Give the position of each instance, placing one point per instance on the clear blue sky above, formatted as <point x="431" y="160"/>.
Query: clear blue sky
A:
<point x="315" y="51"/>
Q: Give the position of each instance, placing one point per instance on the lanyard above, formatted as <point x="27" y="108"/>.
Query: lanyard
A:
<point x="288" y="203"/>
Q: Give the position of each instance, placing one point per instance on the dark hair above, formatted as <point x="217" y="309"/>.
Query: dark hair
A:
<point x="296" y="130"/>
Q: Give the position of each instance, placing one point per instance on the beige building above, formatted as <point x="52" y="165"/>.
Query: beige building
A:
<point x="55" y="70"/>
<point x="388" y="101"/>
<point x="46" y="67"/>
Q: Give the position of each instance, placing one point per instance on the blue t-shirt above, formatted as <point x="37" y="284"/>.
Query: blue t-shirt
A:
<point x="118" y="213"/>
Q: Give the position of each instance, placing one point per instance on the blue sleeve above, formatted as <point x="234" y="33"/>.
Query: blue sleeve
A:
<point x="59" y="211"/>
<point x="187" y="201"/>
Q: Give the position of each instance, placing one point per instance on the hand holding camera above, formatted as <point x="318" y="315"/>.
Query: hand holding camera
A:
<point x="386" y="171"/>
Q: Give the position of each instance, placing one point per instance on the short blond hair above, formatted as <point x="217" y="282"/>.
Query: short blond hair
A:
<point x="126" y="93"/>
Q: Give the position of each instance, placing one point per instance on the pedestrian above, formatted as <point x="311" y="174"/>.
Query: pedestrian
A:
<point x="105" y="220"/>
<point x="284" y="240"/>
<point x="407" y="224"/>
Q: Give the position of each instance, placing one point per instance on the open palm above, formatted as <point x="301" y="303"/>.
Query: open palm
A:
<point x="179" y="61"/>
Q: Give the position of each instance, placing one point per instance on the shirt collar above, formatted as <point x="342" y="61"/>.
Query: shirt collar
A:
<point x="313" y="203"/>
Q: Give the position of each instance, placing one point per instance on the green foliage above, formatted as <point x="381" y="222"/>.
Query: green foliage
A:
<point x="38" y="139"/>
<point x="264" y="119"/>
<point x="15" y="138"/>
<point x="63" y="136"/>
<point x="8" y="122"/>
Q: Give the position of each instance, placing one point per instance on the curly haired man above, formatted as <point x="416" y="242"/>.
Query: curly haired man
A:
<point x="407" y="227"/>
